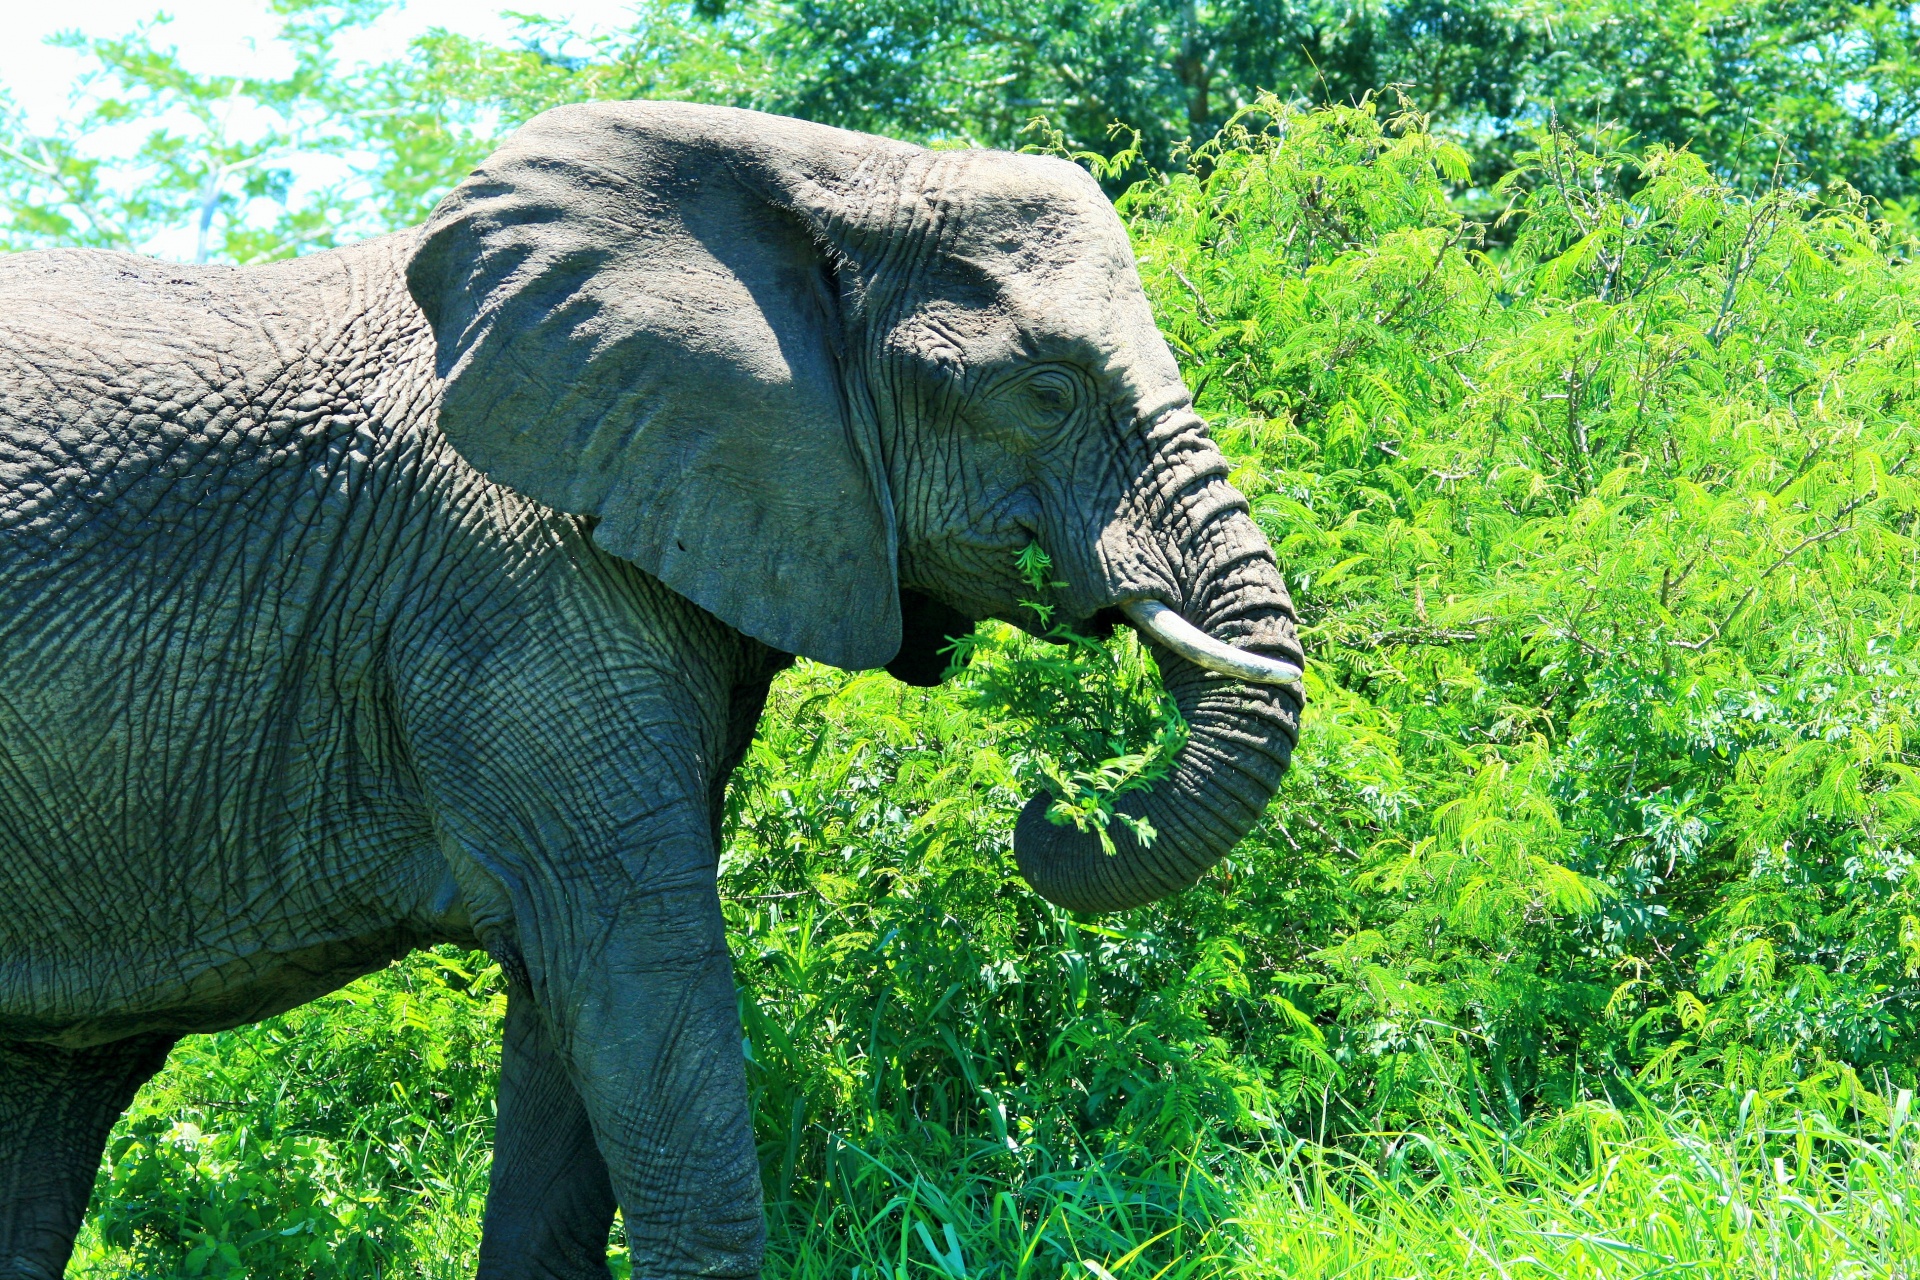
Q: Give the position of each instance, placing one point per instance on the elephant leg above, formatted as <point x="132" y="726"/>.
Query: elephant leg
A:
<point x="589" y="870"/>
<point x="651" y="1026"/>
<point x="632" y="986"/>
<point x="56" y="1108"/>
<point x="549" y="1201"/>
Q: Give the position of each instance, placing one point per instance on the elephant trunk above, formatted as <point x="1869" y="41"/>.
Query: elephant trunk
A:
<point x="1240" y="735"/>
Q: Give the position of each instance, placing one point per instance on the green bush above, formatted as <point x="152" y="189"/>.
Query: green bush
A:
<point x="1606" y="544"/>
<point x="183" y="1202"/>
<point x="347" y="1138"/>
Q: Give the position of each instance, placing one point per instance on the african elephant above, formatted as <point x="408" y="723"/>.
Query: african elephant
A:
<point x="429" y="589"/>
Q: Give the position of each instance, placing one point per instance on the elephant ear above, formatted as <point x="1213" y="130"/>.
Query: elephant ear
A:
<point x="633" y="326"/>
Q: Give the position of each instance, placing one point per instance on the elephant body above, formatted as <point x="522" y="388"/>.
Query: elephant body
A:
<point x="226" y="473"/>
<point x="429" y="589"/>
<point x="249" y="512"/>
<point x="256" y="619"/>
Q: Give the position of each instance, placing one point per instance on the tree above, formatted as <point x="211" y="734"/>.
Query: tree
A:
<point x="241" y="169"/>
<point x="1830" y="88"/>
<point x="212" y="177"/>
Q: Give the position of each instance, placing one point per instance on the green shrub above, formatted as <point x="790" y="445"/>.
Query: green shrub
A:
<point x="178" y="1201"/>
<point x="347" y="1138"/>
<point x="1605" y="543"/>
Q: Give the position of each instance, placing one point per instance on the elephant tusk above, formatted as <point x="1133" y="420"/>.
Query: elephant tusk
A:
<point x="1202" y="650"/>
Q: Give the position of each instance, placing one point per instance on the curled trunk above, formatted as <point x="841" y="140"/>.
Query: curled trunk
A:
<point x="1240" y="737"/>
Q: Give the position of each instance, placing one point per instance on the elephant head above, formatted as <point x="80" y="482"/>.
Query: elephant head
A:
<point x="802" y="375"/>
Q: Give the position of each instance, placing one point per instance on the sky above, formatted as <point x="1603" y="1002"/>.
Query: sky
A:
<point x="236" y="36"/>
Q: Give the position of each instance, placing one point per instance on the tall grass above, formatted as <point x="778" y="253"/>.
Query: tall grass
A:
<point x="1596" y="1191"/>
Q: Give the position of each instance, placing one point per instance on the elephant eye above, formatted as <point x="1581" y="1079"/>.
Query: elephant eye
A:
<point x="1054" y="394"/>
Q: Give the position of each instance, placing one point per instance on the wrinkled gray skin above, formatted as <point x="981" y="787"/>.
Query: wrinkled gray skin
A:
<point x="428" y="590"/>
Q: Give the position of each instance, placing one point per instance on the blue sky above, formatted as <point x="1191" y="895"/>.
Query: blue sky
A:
<point x="234" y="36"/>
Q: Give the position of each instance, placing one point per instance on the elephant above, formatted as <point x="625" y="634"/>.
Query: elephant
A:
<point x="428" y="589"/>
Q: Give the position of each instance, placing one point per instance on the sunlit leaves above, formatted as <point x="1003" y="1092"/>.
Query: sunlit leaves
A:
<point x="1610" y="533"/>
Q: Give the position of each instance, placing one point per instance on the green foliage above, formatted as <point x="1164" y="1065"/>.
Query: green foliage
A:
<point x="197" y="1204"/>
<point x="222" y="168"/>
<point x="348" y="1138"/>
<point x="1095" y="720"/>
<point x="1607" y="546"/>
<point x="211" y="170"/>
<point x="913" y="1011"/>
<point x="1829" y="86"/>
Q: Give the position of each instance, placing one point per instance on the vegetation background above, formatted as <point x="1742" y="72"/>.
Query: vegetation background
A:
<point x="1567" y="353"/>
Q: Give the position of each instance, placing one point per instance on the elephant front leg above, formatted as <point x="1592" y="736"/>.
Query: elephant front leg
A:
<point x="582" y="842"/>
<point x="549" y="1201"/>
<point x="634" y="993"/>
<point x="655" y="1041"/>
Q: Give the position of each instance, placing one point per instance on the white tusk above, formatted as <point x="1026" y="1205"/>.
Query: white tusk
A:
<point x="1202" y="650"/>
